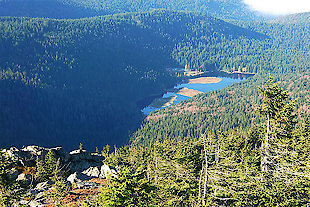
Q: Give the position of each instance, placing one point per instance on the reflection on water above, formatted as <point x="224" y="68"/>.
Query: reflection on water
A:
<point x="226" y="81"/>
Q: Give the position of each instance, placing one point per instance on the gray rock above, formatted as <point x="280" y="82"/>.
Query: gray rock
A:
<point x="82" y="160"/>
<point x="78" y="152"/>
<point x="35" y="203"/>
<point x="107" y="171"/>
<point x="77" y="177"/>
<point x="73" y="178"/>
<point x="24" y="178"/>
<point x="92" y="172"/>
<point x="28" y="155"/>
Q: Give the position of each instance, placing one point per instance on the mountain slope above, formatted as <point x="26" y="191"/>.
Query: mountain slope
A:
<point x="68" y="81"/>
<point x="220" y="110"/>
<point x="293" y="18"/>
<point x="235" y="9"/>
<point x="285" y="53"/>
<point x="80" y="80"/>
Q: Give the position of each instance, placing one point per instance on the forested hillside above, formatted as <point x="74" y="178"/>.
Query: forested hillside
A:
<point x="229" y="108"/>
<point x="265" y="164"/>
<point x="284" y="52"/>
<point x="91" y="72"/>
<point x="81" y="79"/>
<point x="233" y="9"/>
<point x="78" y="82"/>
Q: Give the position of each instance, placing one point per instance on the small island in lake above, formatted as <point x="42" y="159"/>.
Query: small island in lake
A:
<point x="188" y="92"/>
<point x="205" y="80"/>
<point x="164" y="102"/>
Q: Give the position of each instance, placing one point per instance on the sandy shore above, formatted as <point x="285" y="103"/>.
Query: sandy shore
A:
<point x="205" y="80"/>
<point x="163" y="102"/>
<point x="188" y="92"/>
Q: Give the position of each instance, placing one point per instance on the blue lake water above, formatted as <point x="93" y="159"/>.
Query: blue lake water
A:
<point x="195" y="86"/>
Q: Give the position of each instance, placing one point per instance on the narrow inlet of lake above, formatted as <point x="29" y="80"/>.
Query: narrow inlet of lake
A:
<point x="187" y="90"/>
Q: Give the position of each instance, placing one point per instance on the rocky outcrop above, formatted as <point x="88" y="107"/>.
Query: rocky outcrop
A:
<point x="92" y="172"/>
<point x="81" y="160"/>
<point x="87" y="171"/>
<point x="27" y="155"/>
<point x="107" y="171"/>
<point x="77" y="160"/>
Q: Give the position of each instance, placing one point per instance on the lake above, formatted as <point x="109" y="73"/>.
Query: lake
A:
<point x="185" y="91"/>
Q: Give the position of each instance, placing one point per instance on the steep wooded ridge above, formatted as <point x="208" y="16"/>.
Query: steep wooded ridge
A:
<point x="233" y="9"/>
<point x="91" y="72"/>
<point x="284" y="53"/>
<point x="71" y="81"/>
<point x="222" y="110"/>
<point x="293" y="18"/>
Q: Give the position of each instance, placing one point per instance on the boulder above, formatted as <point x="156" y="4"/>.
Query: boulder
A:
<point x="36" y="203"/>
<point x="81" y="160"/>
<point x="73" y="178"/>
<point x="92" y="172"/>
<point x="27" y="155"/>
<point x="43" y="185"/>
<point x="24" y="178"/>
<point x="107" y="171"/>
<point x="77" y="177"/>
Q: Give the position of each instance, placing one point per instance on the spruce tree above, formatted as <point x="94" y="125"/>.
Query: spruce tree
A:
<point x="280" y="122"/>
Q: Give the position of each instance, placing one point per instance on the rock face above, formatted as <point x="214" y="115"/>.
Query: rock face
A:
<point x="107" y="171"/>
<point x="92" y="172"/>
<point x="27" y="155"/>
<point x="77" y="160"/>
<point x="25" y="178"/>
<point x="81" y="160"/>
<point x="87" y="172"/>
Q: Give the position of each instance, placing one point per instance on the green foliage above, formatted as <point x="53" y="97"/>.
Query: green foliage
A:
<point x="220" y="110"/>
<point x="234" y="9"/>
<point x="59" y="191"/>
<point x="47" y="167"/>
<point x="234" y="155"/>
<point x="60" y="64"/>
<point x="128" y="189"/>
<point x="7" y="186"/>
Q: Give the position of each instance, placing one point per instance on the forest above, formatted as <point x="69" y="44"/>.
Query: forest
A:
<point x="78" y="83"/>
<point x="266" y="164"/>
<point x="91" y="72"/>
<point x="233" y="9"/>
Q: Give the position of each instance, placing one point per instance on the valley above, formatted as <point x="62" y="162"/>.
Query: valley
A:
<point x="159" y="103"/>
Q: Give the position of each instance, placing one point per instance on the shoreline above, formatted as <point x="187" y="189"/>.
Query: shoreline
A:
<point x="158" y="102"/>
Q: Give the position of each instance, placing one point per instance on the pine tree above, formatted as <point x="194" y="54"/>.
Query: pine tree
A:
<point x="280" y="120"/>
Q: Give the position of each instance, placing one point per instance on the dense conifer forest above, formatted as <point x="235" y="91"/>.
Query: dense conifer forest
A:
<point x="99" y="64"/>
<point x="233" y="9"/>
<point x="81" y="82"/>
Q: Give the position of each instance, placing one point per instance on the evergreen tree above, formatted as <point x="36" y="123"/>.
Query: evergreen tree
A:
<point x="128" y="189"/>
<point x="279" y="127"/>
